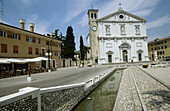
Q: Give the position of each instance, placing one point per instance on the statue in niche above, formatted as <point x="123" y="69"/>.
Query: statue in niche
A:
<point x="107" y="30"/>
<point x="122" y="29"/>
<point x="137" y="30"/>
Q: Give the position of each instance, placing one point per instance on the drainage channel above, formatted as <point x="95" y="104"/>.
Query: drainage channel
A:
<point x="104" y="96"/>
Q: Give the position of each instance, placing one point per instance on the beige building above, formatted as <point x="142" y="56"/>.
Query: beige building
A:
<point x="22" y="44"/>
<point x="159" y="49"/>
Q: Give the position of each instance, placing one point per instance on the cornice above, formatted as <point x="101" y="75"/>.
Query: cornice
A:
<point x="122" y="37"/>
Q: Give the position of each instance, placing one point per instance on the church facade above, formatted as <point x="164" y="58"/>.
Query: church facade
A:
<point x="118" y="37"/>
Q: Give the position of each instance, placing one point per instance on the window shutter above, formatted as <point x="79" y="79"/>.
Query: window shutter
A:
<point x="19" y="36"/>
<point x="26" y="38"/>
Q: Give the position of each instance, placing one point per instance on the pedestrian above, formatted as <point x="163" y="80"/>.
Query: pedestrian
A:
<point x="29" y="69"/>
<point x="131" y="61"/>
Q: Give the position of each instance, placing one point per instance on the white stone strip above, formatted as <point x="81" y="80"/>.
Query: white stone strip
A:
<point x="56" y="88"/>
<point x="23" y="93"/>
<point x="138" y="92"/>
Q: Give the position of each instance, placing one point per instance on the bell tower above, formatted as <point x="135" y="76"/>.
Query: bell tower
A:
<point x="93" y="29"/>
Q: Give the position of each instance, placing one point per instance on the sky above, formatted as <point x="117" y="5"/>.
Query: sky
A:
<point x="49" y="15"/>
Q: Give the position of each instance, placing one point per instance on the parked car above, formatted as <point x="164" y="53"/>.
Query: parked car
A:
<point x="167" y="58"/>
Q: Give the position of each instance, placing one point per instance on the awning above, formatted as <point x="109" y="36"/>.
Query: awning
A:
<point x="21" y="60"/>
<point x="15" y="61"/>
<point x="35" y="59"/>
<point x="4" y="61"/>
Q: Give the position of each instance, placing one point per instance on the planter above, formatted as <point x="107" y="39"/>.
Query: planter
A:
<point x="29" y="79"/>
<point x="145" y="65"/>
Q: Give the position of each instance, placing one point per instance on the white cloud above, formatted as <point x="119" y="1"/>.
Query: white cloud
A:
<point x="76" y="7"/>
<point x="160" y="35"/>
<point x="139" y="7"/>
<point x="159" y="22"/>
<point x="40" y="25"/>
<point x="83" y="21"/>
<point x="26" y="2"/>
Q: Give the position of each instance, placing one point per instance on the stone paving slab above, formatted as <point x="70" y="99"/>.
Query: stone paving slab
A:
<point x="161" y="73"/>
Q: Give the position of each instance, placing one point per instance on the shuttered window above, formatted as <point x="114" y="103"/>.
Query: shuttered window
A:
<point x="3" y="48"/>
<point x="15" y="49"/>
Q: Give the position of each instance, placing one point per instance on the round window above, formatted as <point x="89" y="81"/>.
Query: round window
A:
<point x="121" y="16"/>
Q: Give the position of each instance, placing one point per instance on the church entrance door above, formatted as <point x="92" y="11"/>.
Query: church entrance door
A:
<point x="125" y="56"/>
<point x="140" y="56"/>
<point x="110" y="58"/>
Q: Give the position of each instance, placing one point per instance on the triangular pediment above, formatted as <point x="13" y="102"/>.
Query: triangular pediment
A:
<point x="121" y="15"/>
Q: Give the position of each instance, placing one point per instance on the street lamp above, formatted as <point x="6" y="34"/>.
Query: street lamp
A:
<point x="49" y="55"/>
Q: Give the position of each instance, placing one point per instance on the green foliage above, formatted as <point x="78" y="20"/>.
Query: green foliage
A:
<point x="81" y="48"/>
<point x="69" y="44"/>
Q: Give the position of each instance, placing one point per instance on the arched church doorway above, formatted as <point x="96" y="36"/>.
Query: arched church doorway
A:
<point x="140" y="56"/>
<point x="125" y="56"/>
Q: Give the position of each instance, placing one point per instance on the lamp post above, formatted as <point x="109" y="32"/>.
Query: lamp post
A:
<point x="49" y="55"/>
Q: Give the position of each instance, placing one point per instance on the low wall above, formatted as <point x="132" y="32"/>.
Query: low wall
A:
<point x="53" y="98"/>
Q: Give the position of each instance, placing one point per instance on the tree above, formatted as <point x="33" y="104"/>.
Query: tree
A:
<point x="81" y="49"/>
<point x="69" y="44"/>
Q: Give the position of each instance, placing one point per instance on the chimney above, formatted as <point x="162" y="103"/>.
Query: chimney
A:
<point x="22" y="23"/>
<point x="32" y="27"/>
<point x="51" y="35"/>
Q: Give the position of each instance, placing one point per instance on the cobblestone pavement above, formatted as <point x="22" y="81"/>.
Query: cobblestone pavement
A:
<point x="127" y="98"/>
<point x="156" y="96"/>
<point x="162" y="74"/>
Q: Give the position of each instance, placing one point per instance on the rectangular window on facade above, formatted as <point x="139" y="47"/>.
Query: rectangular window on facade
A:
<point x="165" y="46"/>
<point x="163" y="52"/>
<point x="152" y="49"/>
<point x="53" y="53"/>
<point x="15" y="49"/>
<point x="165" y="41"/>
<point x="30" y="39"/>
<point x="29" y="50"/>
<point x="162" y="47"/>
<point x="37" y="41"/>
<point x="33" y="39"/>
<point x="58" y="45"/>
<point x="9" y="34"/>
<point x="3" y="33"/>
<point x="15" y="36"/>
<point x="37" y="51"/>
<point x="155" y="48"/>
<point x="58" y="55"/>
<point x="3" y="48"/>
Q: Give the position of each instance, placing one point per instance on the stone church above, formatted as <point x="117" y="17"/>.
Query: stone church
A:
<point x="118" y="37"/>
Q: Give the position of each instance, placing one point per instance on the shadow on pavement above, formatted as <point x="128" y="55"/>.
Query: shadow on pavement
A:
<point x="158" y="103"/>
